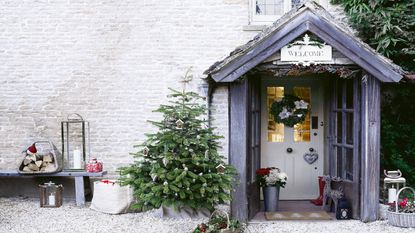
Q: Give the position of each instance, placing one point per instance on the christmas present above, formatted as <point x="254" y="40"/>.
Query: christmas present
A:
<point x="94" y="165"/>
<point x="42" y="157"/>
<point x="111" y="198"/>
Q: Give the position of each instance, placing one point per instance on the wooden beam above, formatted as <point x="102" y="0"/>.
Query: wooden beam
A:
<point x="354" y="50"/>
<point x="289" y="31"/>
<point x="370" y="148"/>
<point x="261" y="51"/>
<point x="238" y="146"/>
<point x="356" y="149"/>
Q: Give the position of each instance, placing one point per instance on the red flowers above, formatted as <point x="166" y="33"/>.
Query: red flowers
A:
<point x="403" y="203"/>
<point x="263" y="171"/>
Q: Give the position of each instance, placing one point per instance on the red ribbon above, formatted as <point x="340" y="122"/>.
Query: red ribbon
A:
<point x="107" y="182"/>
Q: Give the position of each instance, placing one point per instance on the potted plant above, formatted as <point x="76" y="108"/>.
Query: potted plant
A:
<point x="402" y="214"/>
<point x="271" y="179"/>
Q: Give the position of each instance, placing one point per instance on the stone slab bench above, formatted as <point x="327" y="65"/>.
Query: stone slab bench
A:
<point x="81" y="178"/>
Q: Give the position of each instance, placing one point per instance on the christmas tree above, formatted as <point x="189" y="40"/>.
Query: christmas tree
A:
<point x="179" y="165"/>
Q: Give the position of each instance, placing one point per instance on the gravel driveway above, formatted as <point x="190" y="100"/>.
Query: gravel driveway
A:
<point x="24" y="215"/>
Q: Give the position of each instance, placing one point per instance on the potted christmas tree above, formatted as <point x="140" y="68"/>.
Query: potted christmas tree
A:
<point x="179" y="167"/>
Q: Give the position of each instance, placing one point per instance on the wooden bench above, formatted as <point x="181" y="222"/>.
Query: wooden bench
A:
<point x="81" y="178"/>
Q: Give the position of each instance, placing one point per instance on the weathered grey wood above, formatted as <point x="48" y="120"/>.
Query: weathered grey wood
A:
<point x="370" y="148"/>
<point x="356" y="150"/>
<point x="260" y="47"/>
<point x="64" y="173"/>
<point x="238" y="146"/>
<point x="254" y="157"/>
<point x="79" y="191"/>
<point x="353" y="46"/>
<point x="327" y="31"/>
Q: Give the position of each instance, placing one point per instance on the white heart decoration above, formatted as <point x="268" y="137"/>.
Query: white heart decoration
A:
<point x="310" y="158"/>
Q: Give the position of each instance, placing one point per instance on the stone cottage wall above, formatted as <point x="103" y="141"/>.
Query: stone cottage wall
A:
<point x="111" y="61"/>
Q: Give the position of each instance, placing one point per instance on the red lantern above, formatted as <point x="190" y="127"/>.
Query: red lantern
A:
<point x="94" y="165"/>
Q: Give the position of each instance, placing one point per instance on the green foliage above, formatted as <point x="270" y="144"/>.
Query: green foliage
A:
<point x="179" y="169"/>
<point x="387" y="25"/>
<point x="398" y="129"/>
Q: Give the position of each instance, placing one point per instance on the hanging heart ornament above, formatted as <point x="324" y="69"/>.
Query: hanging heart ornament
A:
<point x="310" y="158"/>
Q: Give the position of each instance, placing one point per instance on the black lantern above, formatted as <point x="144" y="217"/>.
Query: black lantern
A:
<point x="75" y="142"/>
<point x="343" y="211"/>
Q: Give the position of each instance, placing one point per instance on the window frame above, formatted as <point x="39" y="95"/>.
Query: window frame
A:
<point x="267" y="19"/>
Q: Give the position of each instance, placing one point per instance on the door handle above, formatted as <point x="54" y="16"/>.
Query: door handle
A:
<point x="289" y="150"/>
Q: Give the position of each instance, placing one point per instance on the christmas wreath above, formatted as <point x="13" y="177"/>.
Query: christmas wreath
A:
<point x="290" y="110"/>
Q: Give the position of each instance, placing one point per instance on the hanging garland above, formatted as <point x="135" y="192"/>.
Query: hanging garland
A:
<point x="290" y="110"/>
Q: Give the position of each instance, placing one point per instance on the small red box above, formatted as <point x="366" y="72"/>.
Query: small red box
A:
<point x="94" y="165"/>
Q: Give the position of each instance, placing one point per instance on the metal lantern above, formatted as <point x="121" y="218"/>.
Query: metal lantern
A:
<point x="50" y="195"/>
<point x="75" y="142"/>
<point x="391" y="185"/>
<point x="343" y="211"/>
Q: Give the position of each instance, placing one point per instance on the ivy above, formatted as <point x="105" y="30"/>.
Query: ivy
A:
<point x="388" y="26"/>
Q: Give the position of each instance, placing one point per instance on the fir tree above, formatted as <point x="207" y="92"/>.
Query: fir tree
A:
<point x="179" y="165"/>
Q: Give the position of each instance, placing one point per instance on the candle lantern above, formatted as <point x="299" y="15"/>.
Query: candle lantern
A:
<point x="391" y="184"/>
<point x="75" y="142"/>
<point x="343" y="211"/>
<point x="50" y="195"/>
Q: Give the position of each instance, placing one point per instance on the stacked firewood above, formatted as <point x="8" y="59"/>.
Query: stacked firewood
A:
<point x="35" y="162"/>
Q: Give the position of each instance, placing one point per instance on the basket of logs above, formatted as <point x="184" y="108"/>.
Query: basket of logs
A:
<point x="41" y="157"/>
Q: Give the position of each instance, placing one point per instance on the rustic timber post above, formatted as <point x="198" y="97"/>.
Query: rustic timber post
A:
<point x="370" y="148"/>
<point x="238" y="146"/>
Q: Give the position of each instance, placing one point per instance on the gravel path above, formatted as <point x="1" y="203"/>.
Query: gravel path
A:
<point x="23" y="215"/>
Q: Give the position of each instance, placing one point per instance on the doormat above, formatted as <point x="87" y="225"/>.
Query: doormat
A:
<point x="315" y="215"/>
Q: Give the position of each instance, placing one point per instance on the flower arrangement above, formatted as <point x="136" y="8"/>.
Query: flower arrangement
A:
<point x="290" y="110"/>
<point x="405" y="206"/>
<point x="271" y="176"/>
<point x="402" y="213"/>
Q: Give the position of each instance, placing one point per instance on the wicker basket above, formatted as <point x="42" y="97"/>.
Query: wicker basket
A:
<point x="401" y="219"/>
<point x="44" y="148"/>
<point x="226" y="230"/>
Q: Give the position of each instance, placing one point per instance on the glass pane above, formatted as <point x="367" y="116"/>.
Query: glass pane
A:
<point x="302" y="130"/>
<point x="339" y="92"/>
<point x="349" y="128"/>
<point x="349" y="94"/>
<point x="339" y="161"/>
<point x="269" y="7"/>
<point x="275" y="131"/>
<point x="339" y="128"/>
<point x="349" y="164"/>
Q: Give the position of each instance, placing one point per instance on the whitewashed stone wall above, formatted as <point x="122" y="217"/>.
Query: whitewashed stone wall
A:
<point x="111" y="61"/>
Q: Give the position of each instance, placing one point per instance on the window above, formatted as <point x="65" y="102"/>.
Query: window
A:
<point x="267" y="11"/>
<point x="344" y="145"/>
<point x="275" y="130"/>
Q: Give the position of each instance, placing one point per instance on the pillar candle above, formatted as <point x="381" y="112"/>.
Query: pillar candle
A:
<point x="391" y="195"/>
<point x="77" y="159"/>
<point x="52" y="199"/>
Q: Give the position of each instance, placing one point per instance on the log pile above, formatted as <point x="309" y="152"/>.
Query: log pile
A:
<point x="36" y="162"/>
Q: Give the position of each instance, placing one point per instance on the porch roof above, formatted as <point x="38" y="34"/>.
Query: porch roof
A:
<point x="307" y="17"/>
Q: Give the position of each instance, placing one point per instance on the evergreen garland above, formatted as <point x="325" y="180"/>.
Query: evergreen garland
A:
<point x="179" y="166"/>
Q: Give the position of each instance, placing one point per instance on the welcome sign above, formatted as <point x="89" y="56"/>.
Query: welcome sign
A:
<point x="306" y="52"/>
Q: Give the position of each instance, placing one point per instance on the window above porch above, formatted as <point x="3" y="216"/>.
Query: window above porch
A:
<point x="265" y="12"/>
